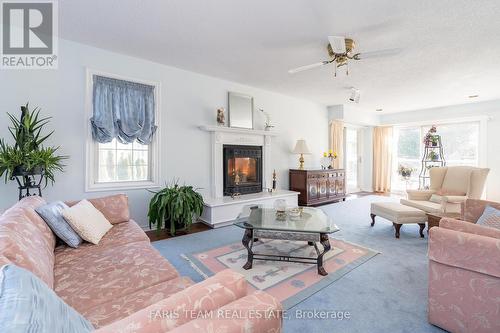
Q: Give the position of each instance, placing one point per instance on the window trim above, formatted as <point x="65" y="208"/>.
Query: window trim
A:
<point x="91" y="184"/>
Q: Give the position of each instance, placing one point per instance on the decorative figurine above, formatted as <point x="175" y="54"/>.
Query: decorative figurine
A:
<point x="221" y="119"/>
<point x="268" y="125"/>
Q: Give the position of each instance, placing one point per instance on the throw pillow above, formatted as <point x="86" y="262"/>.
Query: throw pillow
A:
<point x="490" y="217"/>
<point x="51" y="214"/>
<point x="436" y="198"/>
<point x="87" y="221"/>
<point x="27" y="304"/>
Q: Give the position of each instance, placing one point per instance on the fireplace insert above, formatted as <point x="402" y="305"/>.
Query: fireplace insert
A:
<point x="242" y="169"/>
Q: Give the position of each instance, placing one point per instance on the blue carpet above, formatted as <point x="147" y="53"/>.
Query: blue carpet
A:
<point x="386" y="294"/>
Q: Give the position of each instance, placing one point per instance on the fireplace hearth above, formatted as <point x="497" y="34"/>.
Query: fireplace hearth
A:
<point x="242" y="169"/>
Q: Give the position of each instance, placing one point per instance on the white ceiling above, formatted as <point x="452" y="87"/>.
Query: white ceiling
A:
<point x="450" y="48"/>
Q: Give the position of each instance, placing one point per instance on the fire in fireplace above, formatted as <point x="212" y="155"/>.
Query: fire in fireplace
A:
<point x="242" y="169"/>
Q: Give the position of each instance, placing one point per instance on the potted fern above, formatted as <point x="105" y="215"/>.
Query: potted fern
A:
<point x="27" y="158"/>
<point x="174" y="208"/>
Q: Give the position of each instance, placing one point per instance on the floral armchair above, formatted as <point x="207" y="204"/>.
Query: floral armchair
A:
<point x="449" y="188"/>
<point x="464" y="272"/>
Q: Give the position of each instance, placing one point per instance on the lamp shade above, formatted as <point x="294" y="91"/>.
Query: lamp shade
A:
<point x="301" y="147"/>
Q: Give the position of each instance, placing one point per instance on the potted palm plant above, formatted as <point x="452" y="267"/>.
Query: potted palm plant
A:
<point x="174" y="208"/>
<point x="27" y="157"/>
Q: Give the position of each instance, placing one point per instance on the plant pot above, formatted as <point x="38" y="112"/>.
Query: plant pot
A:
<point x="22" y="171"/>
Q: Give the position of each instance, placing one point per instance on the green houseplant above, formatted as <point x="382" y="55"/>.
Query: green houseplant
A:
<point x="174" y="208"/>
<point x="27" y="157"/>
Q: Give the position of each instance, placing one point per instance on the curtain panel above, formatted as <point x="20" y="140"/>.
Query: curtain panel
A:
<point x="123" y="110"/>
<point x="382" y="159"/>
<point x="337" y="142"/>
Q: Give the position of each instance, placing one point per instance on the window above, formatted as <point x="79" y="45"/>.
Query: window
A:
<point x="460" y="147"/>
<point x="116" y="165"/>
<point x="119" y="162"/>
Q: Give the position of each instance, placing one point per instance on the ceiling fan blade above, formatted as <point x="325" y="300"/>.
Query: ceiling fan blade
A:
<point x="307" y="67"/>
<point x="337" y="43"/>
<point x="379" y="53"/>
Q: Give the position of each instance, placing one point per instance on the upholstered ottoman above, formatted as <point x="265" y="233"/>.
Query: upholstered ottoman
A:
<point x="398" y="214"/>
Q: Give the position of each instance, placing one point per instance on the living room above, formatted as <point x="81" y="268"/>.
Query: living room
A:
<point x="394" y="128"/>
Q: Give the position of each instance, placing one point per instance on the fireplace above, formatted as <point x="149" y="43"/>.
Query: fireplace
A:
<point x="242" y="169"/>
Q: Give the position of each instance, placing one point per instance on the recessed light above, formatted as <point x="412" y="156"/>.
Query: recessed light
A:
<point x="379" y="110"/>
<point x="473" y="96"/>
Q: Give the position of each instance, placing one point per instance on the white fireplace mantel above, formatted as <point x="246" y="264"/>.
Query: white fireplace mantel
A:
<point x="222" y="135"/>
<point x="219" y="210"/>
<point x="225" y="129"/>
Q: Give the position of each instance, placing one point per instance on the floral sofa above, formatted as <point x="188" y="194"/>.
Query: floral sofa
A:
<point x="123" y="284"/>
<point x="464" y="273"/>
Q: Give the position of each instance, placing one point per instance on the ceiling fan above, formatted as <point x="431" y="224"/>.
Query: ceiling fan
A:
<point x="340" y="50"/>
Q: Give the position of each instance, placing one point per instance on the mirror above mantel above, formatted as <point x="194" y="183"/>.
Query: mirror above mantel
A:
<point x="241" y="108"/>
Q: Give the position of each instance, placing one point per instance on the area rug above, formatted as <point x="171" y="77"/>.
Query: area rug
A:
<point x="289" y="282"/>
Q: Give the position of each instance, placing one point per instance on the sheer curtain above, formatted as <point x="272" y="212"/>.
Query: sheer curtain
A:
<point x="337" y="142"/>
<point x="382" y="158"/>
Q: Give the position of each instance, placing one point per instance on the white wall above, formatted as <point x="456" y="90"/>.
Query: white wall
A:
<point x="490" y="109"/>
<point x="187" y="100"/>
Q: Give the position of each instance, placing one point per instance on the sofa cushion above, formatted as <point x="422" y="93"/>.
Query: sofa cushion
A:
<point x="87" y="221"/>
<point x="457" y="180"/>
<point x="223" y="288"/>
<point x="259" y="310"/>
<point x="26" y="240"/>
<point x="437" y="198"/>
<point x="122" y="307"/>
<point x="119" y="234"/>
<point x="28" y="305"/>
<point x="477" y="180"/>
<point x="112" y="272"/>
<point x="468" y="227"/>
<point x="469" y="251"/>
<point x="490" y="218"/>
<point x="52" y="215"/>
<point x="113" y="207"/>
<point x="426" y="206"/>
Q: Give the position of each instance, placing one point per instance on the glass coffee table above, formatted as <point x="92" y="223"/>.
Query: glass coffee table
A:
<point x="312" y="226"/>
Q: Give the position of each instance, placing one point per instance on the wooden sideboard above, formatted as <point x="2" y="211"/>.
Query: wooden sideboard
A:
<point x="318" y="187"/>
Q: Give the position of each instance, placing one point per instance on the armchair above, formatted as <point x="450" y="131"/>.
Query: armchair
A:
<point x="464" y="277"/>
<point x="449" y="188"/>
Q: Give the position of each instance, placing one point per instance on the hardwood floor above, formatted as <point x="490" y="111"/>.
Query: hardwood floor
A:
<point x="196" y="227"/>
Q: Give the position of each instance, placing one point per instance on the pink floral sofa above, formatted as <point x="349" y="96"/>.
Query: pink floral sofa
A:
<point x="123" y="284"/>
<point x="464" y="273"/>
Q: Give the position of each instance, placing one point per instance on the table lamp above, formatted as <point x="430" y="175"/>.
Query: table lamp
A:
<point x="301" y="148"/>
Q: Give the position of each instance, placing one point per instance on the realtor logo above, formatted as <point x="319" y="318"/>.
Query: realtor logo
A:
<point x="29" y="35"/>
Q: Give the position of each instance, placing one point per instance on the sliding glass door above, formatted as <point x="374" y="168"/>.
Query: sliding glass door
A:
<point x="352" y="159"/>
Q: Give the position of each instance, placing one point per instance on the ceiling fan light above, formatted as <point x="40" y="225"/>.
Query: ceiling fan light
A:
<point x="338" y="44"/>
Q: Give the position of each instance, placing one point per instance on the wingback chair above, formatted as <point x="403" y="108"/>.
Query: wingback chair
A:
<point x="449" y="188"/>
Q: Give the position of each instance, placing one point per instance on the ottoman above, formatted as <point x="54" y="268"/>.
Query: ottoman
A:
<point x="398" y="214"/>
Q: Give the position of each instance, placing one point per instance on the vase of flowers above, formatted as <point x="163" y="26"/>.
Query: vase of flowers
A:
<point x="431" y="139"/>
<point x="328" y="158"/>
<point x="433" y="156"/>
<point x="405" y="172"/>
